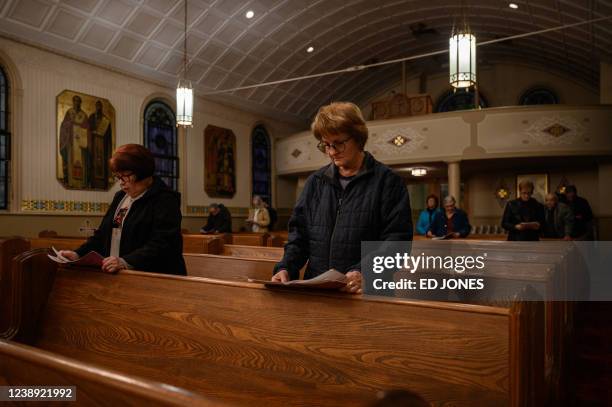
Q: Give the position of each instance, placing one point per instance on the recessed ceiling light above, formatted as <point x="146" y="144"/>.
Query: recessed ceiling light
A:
<point x="310" y="49"/>
<point x="250" y="14"/>
<point x="513" y="5"/>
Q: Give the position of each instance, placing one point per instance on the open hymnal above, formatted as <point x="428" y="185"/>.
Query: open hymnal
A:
<point x="91" y="259"/>
<point x="331" y="279"/>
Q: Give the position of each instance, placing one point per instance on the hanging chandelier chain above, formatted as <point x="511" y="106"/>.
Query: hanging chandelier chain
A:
<point x="185" y="45"/>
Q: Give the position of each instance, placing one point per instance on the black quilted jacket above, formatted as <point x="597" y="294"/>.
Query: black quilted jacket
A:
<point x="328" y="224"/>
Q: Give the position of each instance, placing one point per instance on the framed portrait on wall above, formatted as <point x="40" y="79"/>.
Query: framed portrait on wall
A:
<point x="220" y="169"/>
<point x="540" y="185"/>
<point x="85" y="140"/>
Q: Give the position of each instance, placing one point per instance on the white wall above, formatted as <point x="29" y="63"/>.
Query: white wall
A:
<point x="40" y="76"/>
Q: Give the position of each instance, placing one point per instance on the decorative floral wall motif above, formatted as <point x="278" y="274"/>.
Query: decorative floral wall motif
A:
<point x="395" y="142"/>
<point x="556" y="130"/>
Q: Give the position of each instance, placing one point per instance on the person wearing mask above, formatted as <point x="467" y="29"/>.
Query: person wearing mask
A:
<point x="583" y="225"/>
<point x="352" y="199"/>
<point x="427" y="215"/>
<point x="142" y="228"/>
<point x="450" y="223"/>
<point x="558" y="219"/>
<point x="523" y="217"/>
<point x="259" y="218"/>
<point x="219" y="220"/>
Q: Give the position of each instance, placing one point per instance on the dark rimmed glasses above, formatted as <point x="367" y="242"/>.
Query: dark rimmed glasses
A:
<point x="338" y="146"/>
<point x="123" y="177"/>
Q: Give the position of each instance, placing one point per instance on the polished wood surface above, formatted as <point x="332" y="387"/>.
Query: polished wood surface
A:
<point x="60" y="243"/>
<point x="22" y="365"/>
<point x="228" y="267"/>
<point x="253" y="252"/>
<point x="246" y="344"/>
<point x="202" y="243"/>
<point x="9" y="248"/>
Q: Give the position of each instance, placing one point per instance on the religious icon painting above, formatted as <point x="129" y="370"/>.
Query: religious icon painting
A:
<point x="85" y="141"/>
<point x="220" y="167"/>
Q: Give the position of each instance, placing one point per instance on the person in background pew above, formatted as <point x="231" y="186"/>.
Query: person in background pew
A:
<point x="219" y="220"/>
<point x="142" y="227"/>
<point x="523" y="216"/>
<point x="355" y="198"/>
<point x="427" y="215"/>
<point x="259" y="218"/>
<point x="273" y="215"/>
<point x="558" y="219"/>
<point x="583" y="225"/>
<point x="453" y="222"/>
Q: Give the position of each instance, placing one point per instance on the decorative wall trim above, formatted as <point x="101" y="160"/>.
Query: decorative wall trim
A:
<point x="557" y="129"/>
<point x="49" y="206"/>
<point x="196" y="210"/>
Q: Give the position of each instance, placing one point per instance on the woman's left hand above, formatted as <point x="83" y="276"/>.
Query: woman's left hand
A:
<point x="112" y="264"/>
<point x="353" y="282"/>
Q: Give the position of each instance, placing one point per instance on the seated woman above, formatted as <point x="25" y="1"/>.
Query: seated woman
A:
<point x="453" y="222"/>
<point x="259" y="218"/>
<point x="427" y="215"/>
<point x="142" y="228"/>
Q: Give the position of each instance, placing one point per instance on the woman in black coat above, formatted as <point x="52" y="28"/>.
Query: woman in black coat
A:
<point x="142" y="228"/>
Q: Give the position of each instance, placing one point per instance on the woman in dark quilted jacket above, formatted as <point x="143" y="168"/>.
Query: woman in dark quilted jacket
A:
<point x="355" y="198"/>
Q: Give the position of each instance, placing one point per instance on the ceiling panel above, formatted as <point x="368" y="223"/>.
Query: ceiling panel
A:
<point x="145" y="38"/>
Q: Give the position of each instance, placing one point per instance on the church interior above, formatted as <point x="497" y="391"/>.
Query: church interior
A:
<point x="464" y="99"/>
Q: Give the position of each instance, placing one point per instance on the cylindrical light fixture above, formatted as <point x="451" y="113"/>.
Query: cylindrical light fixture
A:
<point x="418" y="172"/>
<point x="184" y="103"/>
<point x="462" y="60"/>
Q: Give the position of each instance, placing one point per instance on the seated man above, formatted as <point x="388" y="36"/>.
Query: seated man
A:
<point x="219" y="220"/>
<point x="558" y="219"/>
<point x="452" y="223"/>
<point x="523" y="216"/>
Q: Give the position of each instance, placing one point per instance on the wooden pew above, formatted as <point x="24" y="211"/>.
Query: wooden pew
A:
<point x="9" y="248"/>
<point x="202" y="244"/>
<point x="334" y="349"/>
<point x="228" y="267"/>
<point x="22" y="365"/>
<point x="253" y="252"/>
<point x="278" y="238"/>
<point x="60" y="243"/>
<point x="250" y="239"/>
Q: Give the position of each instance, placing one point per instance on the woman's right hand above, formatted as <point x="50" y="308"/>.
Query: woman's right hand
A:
<point x="282" y="276"/>
<point x="69" y="254"/>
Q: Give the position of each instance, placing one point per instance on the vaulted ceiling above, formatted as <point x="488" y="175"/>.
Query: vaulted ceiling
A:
<point x="227" y="50"/>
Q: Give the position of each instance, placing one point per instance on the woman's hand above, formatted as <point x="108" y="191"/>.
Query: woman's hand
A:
<point x="353" y="282"/>
<point x="69" y="254"/>
<point x="282" y="276"/>
<point x="112" y="264"/>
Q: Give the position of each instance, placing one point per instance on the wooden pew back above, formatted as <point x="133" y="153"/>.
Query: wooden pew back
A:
<point x="22" y="365"/>
<point x="60" y="243"/>
<point x="9" y="248"/>
<point x="295" y="348"/>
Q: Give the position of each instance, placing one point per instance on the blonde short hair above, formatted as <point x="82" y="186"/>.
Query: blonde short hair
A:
<point x="340" y="118"/>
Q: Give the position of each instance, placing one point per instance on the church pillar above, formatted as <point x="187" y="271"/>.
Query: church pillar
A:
<point x="454" y="181"/>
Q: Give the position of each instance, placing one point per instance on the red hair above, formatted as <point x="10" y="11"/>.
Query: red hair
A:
<point x="134" y="158"/>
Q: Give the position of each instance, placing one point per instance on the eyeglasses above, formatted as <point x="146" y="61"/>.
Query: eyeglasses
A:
<point x="123" y="177"/>
<point x="338" y="146"/>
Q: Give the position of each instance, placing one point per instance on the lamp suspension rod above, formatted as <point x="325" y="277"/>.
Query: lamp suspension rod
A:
<point x="410" y="58"/>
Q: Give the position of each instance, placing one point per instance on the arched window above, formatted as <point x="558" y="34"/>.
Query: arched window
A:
<point x="262" y="174"/>
<point x="461" y="99"/>
<point x="5" y="140"/>
<point x="539" y="96"/>
<point x="160" y="138"/>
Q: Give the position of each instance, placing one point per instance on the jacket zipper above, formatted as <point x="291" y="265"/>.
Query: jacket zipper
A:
<point x="334" y="229"/>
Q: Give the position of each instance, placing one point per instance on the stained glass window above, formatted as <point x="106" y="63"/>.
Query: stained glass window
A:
<point x="262" y="174"/>
<point x="160" y="137"/>
<point x="5" y="140"/>
<point x="539" y="96"/>
<point x="461" y="99"/>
